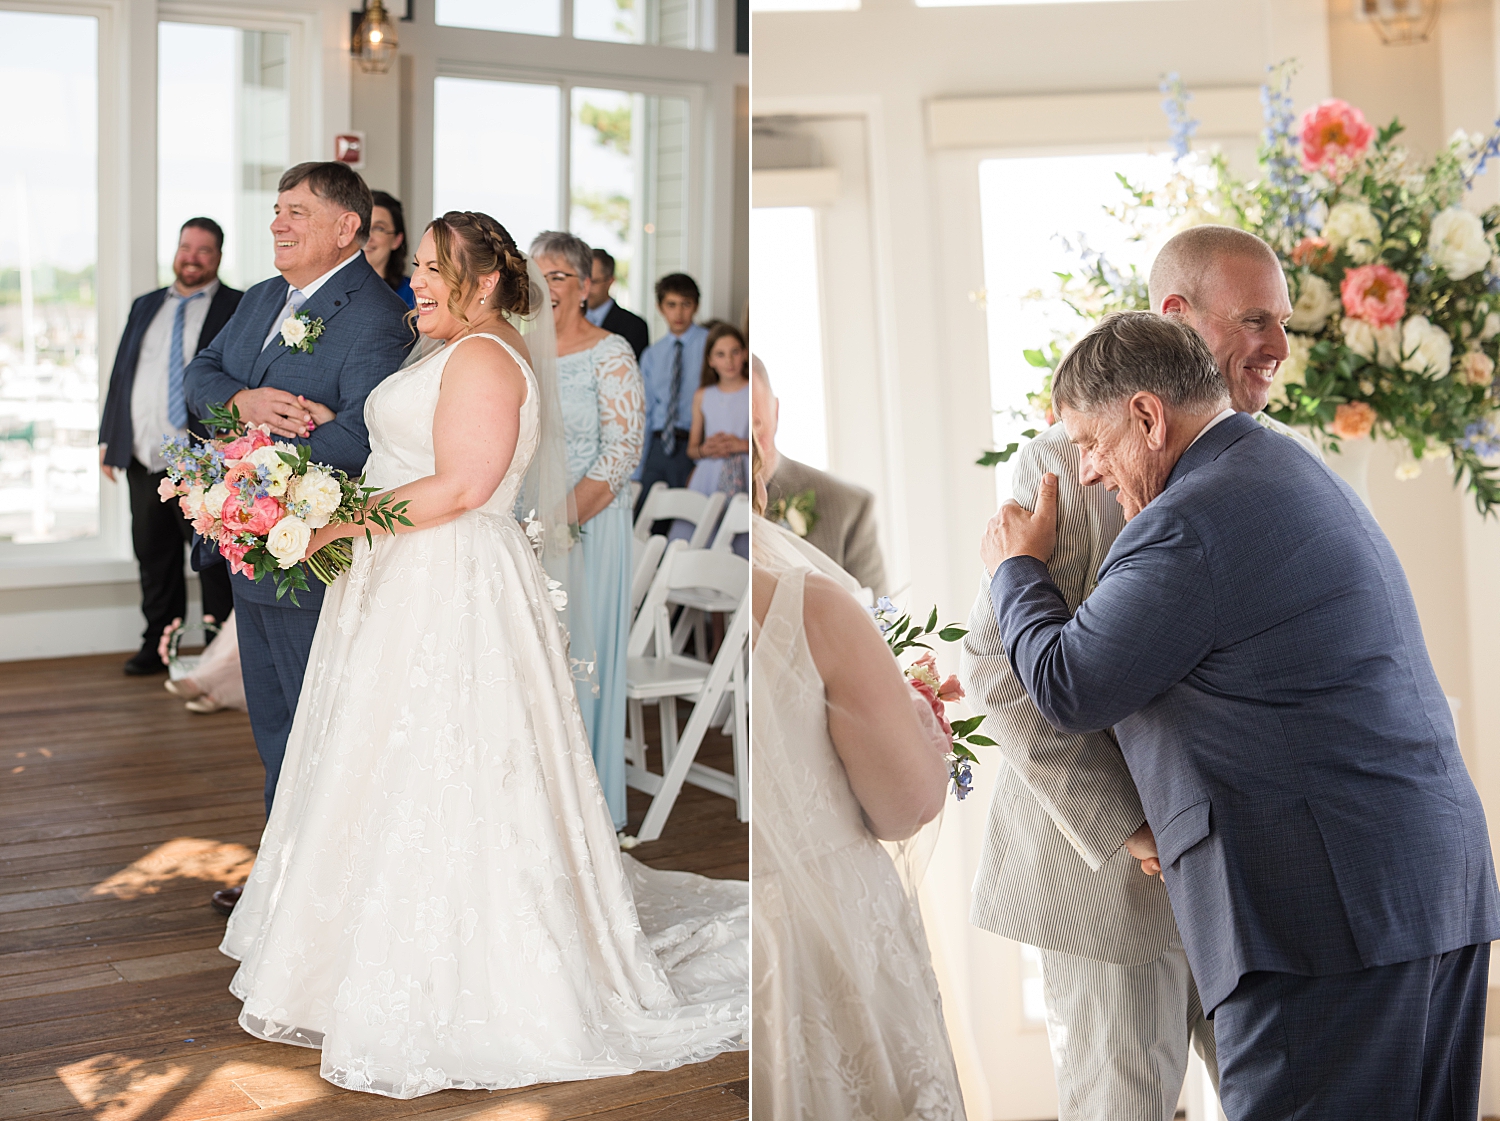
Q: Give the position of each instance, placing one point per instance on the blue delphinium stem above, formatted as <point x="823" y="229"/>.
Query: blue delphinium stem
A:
<point x="1174" y="106"/>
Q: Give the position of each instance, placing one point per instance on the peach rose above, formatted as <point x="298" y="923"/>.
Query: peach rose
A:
<point x="1353" y="421"/>
<point x="1312" y="252"/>
<point x="1476" y="368"/>
<point x="1334" y="135"/>
<point x="244" y="445"/>
<point x="1374" y="293"/>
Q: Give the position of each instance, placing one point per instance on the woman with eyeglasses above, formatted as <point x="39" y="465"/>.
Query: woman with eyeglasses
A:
<point x="604" y="415"/>
<point x="385" y="248"/>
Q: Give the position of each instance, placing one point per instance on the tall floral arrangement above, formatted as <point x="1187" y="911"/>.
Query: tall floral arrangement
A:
<point x="1395" y="328"/>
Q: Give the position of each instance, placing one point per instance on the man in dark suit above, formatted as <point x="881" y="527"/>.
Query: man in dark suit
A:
<point x="145" y="405"/>
<point x="604" y="312"/>
<point x="312" y="393"/>
<point x="1253" y="641"/>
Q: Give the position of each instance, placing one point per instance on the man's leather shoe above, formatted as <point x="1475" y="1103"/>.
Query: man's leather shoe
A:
<point x="224" y="899"/>
<point x="144" y="663"/>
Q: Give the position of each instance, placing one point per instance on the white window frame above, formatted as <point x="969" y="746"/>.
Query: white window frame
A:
<point x="704" y="28"/>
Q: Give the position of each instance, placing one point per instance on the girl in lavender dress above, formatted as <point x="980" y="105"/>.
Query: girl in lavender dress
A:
<point x="720" y="438"/>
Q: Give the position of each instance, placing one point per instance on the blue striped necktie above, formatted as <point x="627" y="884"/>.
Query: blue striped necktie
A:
<point x="176" y="404"/>
<point x="669" y="426"/>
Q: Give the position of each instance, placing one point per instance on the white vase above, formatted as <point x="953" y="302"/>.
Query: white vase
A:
<point x="1352" y="464"/>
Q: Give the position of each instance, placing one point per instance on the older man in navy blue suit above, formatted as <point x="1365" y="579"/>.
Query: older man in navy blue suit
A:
<point x="1254" y="644"/>
<point x="313" y="393"/>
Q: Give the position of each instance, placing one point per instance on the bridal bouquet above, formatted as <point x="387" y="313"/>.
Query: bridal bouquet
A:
<point x="901" y="635"/>
<point x="1395" y="327"/>
<point x="260" y="499"/>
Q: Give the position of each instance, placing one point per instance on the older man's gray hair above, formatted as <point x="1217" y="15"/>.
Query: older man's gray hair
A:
<point x="1132" y="352"/>
<point x="577" y="252"/>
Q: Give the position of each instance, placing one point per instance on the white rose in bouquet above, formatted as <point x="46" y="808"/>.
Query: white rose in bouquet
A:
<point x="1491" y="327"/>
<point x="1457" y="242"/>
<point x="1316" y="301"/>
<point x="1381" y="345"/>
<point x="192" y="502"/>
<point x="1476" y="368"/>
<point x="213" y="500"/>
<point x="319" y="492"/>
<point x="279" y="471"/>
<point x="293" y="331"/>
<point x="1429" y="348"/>
<point x="288" y="540"/>
<point x="1353" y="227"/>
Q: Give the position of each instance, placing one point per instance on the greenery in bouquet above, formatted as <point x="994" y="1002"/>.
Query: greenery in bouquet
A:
<point x="1395" y="285"/>
<point x="902" y="634"/>
<point x="259" y="501"/>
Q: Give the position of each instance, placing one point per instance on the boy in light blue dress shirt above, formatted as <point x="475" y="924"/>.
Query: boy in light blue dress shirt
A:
<point x="671" y="368"/>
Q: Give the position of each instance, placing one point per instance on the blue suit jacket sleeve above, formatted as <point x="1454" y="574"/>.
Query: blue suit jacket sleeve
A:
<point x="1148" y="624"/>
<point x="205" y="382"/>
<point x="345" y="439"/>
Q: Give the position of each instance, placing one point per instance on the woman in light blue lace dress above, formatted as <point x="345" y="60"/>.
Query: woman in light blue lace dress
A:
<point x="604" y="413"/>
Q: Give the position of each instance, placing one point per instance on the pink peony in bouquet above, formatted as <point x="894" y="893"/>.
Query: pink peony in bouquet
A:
<point x="259" y="500"/>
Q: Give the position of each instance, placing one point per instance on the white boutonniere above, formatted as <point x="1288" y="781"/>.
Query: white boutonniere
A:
<point x="798" y="513"/>
<point x="300" y="332"/>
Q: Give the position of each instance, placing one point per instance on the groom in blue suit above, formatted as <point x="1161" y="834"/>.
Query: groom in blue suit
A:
<point x="311" y="393"/>
<point x="1254" y="644"/>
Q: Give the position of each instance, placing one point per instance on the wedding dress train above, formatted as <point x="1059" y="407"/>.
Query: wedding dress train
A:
<point x="439" y="899"/>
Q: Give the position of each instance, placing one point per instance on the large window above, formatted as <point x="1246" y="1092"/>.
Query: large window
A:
<point x="210" y="77"/>
<point x="788" y="327"/>
<point x="1037" y="213"/>
<point x="496" y="149"/>
<point x="49" y="328"/>
<point x="666" y="23"/>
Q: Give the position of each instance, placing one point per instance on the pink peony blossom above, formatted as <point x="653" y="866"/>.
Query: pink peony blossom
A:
<point x="1374" y="293"/>
<point x="925" y="669"/>
<point x="1312" y="252"/>
<point x="244" y="445"/>
<point x="1334" y="135"/>
<point x="167" y="490"/>
<point x="1353" y="421"/>
<point x="234" y="553"/>
<point x="259" y="519"/>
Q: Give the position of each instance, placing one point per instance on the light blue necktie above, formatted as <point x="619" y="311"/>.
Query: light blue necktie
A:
<point x="669" y="426"/>
<point x="294" y="301"/>
<point x="176" y="404"/>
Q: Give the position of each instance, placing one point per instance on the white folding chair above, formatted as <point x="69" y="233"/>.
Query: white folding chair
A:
<point x="736" y="521"/>
<point x="666" y="503"/>
<point x="655" y="675"/>
<point x="646" y="558"/>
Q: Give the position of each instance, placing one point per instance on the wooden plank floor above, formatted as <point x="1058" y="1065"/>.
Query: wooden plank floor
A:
<point x="119" y="813"/>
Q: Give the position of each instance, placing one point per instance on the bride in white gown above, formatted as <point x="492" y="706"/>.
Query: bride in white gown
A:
<point x="439" y="899"/>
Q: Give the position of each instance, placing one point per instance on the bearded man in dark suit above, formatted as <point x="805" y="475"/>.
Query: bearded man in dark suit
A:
<point x="145" y="405"/>
<point x="604" y="312"/>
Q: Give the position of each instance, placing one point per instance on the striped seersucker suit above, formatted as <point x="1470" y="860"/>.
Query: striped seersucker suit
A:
<point x="1054" y="872"/>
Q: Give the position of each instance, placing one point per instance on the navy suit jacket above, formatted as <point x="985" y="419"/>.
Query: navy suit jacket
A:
<point x="116" y="432"/>
<point x="629" y="326"/>
<point x="364" y="339"/>
<point x="1253" y="641"/>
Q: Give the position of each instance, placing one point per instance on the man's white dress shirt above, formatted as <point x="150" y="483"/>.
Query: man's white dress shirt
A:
<point x="149" y="422"/>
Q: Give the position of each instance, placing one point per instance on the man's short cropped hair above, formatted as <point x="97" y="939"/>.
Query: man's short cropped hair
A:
<point x="333" y="182"/>
<point x="1132" y="352"/>
<point x="603" y="257"/>
<point x="679" y="284"/>
<point x="207" y="225"/>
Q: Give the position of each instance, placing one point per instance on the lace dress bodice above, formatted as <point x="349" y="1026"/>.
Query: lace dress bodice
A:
<point x="604" y="413"/>
<point x="399" y="412"/>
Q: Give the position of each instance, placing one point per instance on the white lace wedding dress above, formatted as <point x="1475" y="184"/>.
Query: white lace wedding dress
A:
<point x="848" y="1022"/>
<point x="439" y="899"/>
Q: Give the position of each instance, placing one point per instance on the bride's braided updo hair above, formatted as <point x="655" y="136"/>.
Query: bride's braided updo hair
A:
<point x="471" y="245"/>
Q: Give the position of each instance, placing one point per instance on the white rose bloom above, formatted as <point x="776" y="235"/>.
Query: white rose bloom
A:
<point x="213" y="501"/>
<point x="1293" y="371"/>
<point x="192" y="502"/>
<point x="1353" y="227"/>
<point x="320" y="492"/>
<point x="1491" y="326"/>
<point x="293" y="331"/>
<point x="1316" y="301"/>
<point x="1457" y="242"/>
<point x="1381" y="345"/>
<point x="288" y="540"/>
<point x="1408" y="470"/>
<point x="1429" y="347"/>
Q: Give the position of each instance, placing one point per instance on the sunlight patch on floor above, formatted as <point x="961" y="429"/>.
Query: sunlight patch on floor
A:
<point x="190" y="858"/>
